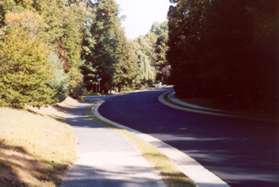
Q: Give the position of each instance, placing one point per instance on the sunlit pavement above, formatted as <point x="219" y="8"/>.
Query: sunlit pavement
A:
<point x="242" y="152"/>
<point x="105" y="158"/>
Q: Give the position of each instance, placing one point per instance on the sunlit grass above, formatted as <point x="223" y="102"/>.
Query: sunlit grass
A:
<point x="35" y="150"/>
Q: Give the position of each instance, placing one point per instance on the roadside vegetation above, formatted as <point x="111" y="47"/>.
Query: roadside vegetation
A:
<point x="225" y="52"/>
<point x="150" y="50"/>
<point x="39" y="51"/>
<point x="168" y="170"/>
<point x="51" y="49"/>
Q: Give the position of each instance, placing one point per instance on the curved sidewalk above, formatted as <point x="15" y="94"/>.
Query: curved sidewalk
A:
<point x="105" y="158"/>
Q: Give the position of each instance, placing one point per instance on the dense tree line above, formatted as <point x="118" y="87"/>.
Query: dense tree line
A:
<point x="225" y="50"/>
<point x="52" y="48"/>
<point x="150" y="50"/>
<point x="109" y="59"/>
<point x="40" y="45"/>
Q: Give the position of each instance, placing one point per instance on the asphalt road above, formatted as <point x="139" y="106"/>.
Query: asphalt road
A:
<point x="244" y="153"/>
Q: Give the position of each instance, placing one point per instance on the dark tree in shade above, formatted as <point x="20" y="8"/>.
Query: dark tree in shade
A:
<point x="225" y="50"/>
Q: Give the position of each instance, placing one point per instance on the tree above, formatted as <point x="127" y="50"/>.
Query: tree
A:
<point x="142" y="49"/>
<point x="151" y="53"/>
<point x="224" y="50"/>
<point x="126" y="69"/>
<point x="58" y="25"/>
<point x="61" y="30"/>
<point x="24" y="70"/>
<point x="105" y="50"/>
<point x="100" y="56"/>
<point x="160" y="49"/>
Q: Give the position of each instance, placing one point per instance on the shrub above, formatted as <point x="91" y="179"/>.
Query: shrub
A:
<point x="24" y="70"/>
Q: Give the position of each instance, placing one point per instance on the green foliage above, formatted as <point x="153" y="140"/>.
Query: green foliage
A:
<point x="224" y="50"/>
<point x="106" y="50"/>
<point x="24" y="70"/>
<point x="160" y="49"/>
<point x="60" y="80"/>
<point x="151" y="53"/>
<point x="57" y="24"/>
<point x="67" y="45"/>
<point x="144" y="53"/>
<point x="63" y="32"/>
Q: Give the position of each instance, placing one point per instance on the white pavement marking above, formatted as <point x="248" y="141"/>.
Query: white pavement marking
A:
<point x="204" y="110"/>
<point x="190" y="167"/>
<point x="162" y="100"/>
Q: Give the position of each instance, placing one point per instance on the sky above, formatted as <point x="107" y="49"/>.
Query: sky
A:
<point x="141" y="14"/>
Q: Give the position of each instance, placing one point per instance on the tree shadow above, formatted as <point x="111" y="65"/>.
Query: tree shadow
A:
<point x="19" y="167"/>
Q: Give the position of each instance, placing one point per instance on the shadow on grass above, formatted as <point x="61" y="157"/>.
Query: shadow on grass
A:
<point x="20" y="168"/>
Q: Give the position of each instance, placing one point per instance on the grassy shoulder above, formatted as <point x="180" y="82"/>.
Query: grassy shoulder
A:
<point x="169" y="172"/>
<point x="35" y="150"/>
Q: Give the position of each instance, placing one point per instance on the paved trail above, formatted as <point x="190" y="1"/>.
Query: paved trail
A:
<point x="105" y="159"/>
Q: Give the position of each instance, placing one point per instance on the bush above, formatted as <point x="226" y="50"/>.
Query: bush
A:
<point x="24" y="71"/>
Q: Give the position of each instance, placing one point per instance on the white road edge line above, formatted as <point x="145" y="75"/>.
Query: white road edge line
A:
<point x="202" y="110"/>
<point x="201" y="176"/>
<point x="162" y="101"/>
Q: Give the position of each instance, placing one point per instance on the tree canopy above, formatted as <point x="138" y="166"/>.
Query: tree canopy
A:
<point x="151" y="54"/>
<point x="68" y="46"/>
<point x="52" y="35"/>
<point x="107" y="53"/>
<point x="224" y="50"/>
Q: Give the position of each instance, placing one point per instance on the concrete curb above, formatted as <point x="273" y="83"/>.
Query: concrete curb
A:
<point x="187" y="107"/>
<point x="184" y="106"/>
<point x="171" y="96"/>
<point x="187" y="165"/>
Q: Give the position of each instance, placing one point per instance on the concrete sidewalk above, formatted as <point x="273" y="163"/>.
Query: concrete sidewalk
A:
<point x="105" y="158"/>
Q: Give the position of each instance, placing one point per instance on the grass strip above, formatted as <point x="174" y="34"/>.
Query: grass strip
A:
<point x="169" y="172"/>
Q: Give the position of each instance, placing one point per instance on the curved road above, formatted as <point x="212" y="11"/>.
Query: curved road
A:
<point x="244" y="153"/>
